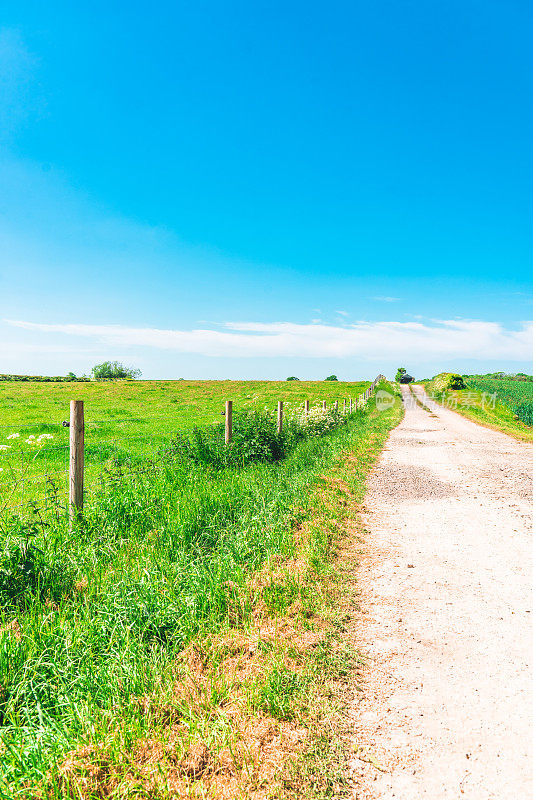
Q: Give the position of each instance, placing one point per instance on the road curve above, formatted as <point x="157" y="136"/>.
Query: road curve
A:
<point x="446" y="705"/>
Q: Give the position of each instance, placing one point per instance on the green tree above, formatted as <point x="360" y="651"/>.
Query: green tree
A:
<point x="114" y="371"/>
<point x="399" y="372"/>
<point x="292" y="378"/>
<point x="331" y="378"/>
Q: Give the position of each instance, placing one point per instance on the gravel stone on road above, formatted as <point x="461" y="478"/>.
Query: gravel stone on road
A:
<point x="446" y="621"/>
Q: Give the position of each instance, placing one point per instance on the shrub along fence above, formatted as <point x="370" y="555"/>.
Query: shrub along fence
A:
<point x="245" y="437"/>
<point x="44" y="378"/>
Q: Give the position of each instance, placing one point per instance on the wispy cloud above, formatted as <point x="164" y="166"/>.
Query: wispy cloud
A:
<point x="385" y="299"/>
<point x="475" y="339"/>
<point x="342" y="313"/>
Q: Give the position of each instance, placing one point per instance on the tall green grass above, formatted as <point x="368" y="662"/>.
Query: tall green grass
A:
<point x="92" y="620"/>
<point x="517" y="395"/>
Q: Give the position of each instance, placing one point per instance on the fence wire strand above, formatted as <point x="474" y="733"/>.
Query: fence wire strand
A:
<point x="101" y="456"/>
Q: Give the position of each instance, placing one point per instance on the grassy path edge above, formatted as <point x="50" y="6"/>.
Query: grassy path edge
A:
<point x="322" y="767"/>
<point x="498" y="418"/>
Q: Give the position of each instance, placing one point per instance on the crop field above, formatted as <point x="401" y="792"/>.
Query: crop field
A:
<point x="516" y="395"/>
<point x="95" y="621"/>
<point x="125" y="422"/>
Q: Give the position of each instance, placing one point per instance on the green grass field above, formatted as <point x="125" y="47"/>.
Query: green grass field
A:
<point x="94" y="621"/>
<point x="125" y="420"/>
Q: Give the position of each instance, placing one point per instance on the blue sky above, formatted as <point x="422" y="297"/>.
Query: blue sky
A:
<point x="266" y="189"/>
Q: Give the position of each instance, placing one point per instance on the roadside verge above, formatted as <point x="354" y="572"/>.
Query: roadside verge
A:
<point x="483" y="409"/>
<point x="256" y="709"/>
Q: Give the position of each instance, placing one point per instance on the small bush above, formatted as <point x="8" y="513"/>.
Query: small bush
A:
<point x="255" y="438"/>
<point x="114" y="371"/>
<point x="447" y="381"/>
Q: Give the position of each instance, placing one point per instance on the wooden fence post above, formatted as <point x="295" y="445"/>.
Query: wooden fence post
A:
<point x="306" y="408"/>
<point x="351" y="405"/>
<point x="324" y="405"/>
<point x="228" y="426"/>
<point x="76" y="458"/>
<point x="344" y="406"/>
<point x="280" y="416"/>
<point x="336" y="405"/>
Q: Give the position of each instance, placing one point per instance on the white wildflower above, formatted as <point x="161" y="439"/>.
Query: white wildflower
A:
<point x="13" y="436"/>
<point x="5" y="447"/>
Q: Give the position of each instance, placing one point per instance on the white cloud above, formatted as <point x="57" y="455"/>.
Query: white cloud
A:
<point x="385" y="299"/>
<point x="475" y="339"/>
<point x="342" y="313"/>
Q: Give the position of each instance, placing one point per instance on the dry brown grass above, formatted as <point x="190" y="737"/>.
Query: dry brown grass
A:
<point x="235" y="749"/>
<point x="246" y="757"/>
<point x="12" y="629"/>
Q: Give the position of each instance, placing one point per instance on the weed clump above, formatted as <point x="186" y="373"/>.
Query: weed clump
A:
<point x="255" y="438"/>
<point x="26" y="573"/>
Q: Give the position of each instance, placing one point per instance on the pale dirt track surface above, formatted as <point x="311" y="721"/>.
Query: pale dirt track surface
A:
<point x="447" y="624"/>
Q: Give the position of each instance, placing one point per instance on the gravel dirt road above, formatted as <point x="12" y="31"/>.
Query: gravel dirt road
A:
<point x="446" y="706"/>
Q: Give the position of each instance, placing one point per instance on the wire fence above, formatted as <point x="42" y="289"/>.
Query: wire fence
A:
<point x="54" y="467"/>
